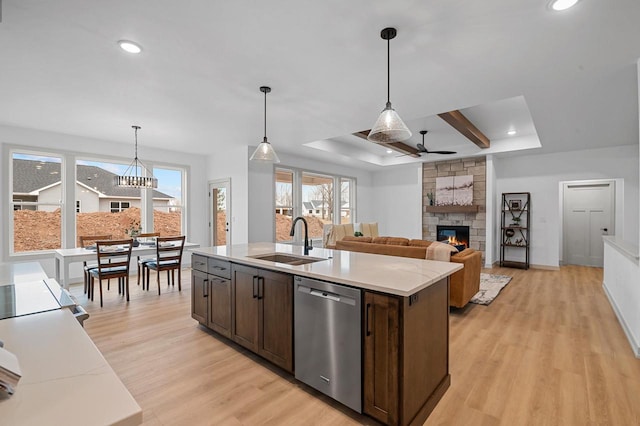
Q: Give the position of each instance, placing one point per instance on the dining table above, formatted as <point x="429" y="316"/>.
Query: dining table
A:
<point x="65" y="257"/>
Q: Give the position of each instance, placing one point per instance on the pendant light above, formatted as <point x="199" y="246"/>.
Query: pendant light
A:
<point x="264" y="152"/>
<point x="131" y="178"/>
<point x="389" y="127"/>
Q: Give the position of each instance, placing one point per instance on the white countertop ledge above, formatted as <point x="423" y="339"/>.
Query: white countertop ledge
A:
<point x="627" y="249"/>
<point x="401" y="276"/>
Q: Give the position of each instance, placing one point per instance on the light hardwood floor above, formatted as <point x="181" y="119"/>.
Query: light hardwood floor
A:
<point x="548" y="351"/>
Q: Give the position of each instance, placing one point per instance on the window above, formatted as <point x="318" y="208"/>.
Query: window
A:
<point x="41" y="201"/>
<point x="120" y="206"/>
<point x="311" y="195"/>
<point x="284" y="204"/>
<point x="36" y="201"/>
<point x="168" y="202"/>
<point x="101" y="208"/>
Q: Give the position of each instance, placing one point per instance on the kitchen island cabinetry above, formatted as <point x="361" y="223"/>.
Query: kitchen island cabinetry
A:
<point x="211" y="294"/>
<point x="406" y="355"/>
<point x="263" y="313"/>
<point x="404" y="318"/>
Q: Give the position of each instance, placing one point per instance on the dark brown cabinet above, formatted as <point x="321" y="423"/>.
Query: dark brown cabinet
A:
<point x="406" y="354"/>
<point x="199" y="297"/>
<point x="211" y="293"/>
<point x="263" y="313"/>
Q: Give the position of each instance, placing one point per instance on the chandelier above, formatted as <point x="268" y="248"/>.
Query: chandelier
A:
<point x="136" y="175"/>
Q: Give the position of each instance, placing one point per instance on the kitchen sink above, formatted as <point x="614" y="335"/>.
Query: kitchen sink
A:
<point x="287" y="258"/>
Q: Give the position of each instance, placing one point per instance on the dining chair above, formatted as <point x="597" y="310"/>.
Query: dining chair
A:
<point x="113" y="262"/>
<point x="141" y="260"/>
<point x="85" y="241"/>
<point x="168" y="258"/>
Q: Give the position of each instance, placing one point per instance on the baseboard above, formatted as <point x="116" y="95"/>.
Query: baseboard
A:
<point x="545" y="267"/>
<point x="496" y="264"/>
<point x="635" y="346"/>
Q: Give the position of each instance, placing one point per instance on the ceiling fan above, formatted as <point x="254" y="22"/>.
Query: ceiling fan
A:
<point x="422" y="149"/>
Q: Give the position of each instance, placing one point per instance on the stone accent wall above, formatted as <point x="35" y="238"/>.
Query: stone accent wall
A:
<point x="475" y="221"/>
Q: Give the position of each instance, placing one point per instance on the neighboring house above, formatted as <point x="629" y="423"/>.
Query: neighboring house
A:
<point x="319" y="208"/>
<point x="37" y="181"/>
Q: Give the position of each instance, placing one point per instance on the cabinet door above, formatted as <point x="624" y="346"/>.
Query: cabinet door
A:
<point x="276" y="313"/>
<point x="245" y="306"/>
<point x="220" y="305"/>
<point x="199" y="294"/>
<point x="381" y="346"/>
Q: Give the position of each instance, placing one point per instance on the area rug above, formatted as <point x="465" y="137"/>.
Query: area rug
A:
<point x="490" y="286"/>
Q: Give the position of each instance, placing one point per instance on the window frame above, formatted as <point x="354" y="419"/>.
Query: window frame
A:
<point x="10" y="244"/>
<point x="298" y="207"/>
<point x="67" y="205"/>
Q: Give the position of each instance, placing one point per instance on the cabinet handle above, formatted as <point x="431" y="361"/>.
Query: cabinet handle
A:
<point x="255" y="292"/>
<point x="260" y="286"/>
<point x="204" y="287"/>
<point x="366" y="320"/>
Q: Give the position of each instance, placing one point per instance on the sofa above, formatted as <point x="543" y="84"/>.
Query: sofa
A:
<point x="463" y="284"/>
<point x="332" y="233"/>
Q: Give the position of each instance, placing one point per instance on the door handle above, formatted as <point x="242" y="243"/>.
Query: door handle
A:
<point x="366" y="320"/>
<point x="260" y="285"/>
<point x="604" y="229"/>
<point x="204" y="287"/>
<point x="255" y="292"/>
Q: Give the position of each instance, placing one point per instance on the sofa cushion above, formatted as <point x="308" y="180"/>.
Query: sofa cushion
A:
<point x="419" y="243"/>
<point x="338" y="232"/>
<point x="367" y="229"/>
<point x="392" y="241"/>
<point x="360" y="239"/>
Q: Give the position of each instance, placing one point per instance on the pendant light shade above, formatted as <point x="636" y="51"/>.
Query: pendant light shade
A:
<point x="265" y="152"/>
<point x="136" y="175"/>
<point x="389" y="127"/>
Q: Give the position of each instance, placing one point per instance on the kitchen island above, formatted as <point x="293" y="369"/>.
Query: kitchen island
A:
<point x="241" y="293"/>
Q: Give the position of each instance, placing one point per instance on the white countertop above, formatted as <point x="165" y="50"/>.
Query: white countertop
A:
<point x="401" y="276"/>
<point x="65" y="379"/>
<point x="12" y="273"/>
<point x="624" y="247"/>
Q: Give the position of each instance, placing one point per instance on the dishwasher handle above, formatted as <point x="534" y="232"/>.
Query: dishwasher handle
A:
<point x="325" y="294"/>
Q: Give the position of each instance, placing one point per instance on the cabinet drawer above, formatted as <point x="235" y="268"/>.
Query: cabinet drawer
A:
<point x="199" y="263"/>
<point x="219" y="268"/>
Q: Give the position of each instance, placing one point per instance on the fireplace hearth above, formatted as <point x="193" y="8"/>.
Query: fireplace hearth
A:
<point x="454" y="235"/>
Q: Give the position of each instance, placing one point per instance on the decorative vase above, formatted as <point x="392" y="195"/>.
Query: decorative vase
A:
<point x="135" y="242"/>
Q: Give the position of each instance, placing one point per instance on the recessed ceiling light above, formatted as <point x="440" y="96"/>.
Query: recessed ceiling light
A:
<point x="511" y="132"/>
<point x="389" y="151"/>
<point x="130" y="46"/>
<point x="559" y="5"/>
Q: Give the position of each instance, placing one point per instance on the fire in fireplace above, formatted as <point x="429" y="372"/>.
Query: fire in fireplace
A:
<point x="454" y="235"/>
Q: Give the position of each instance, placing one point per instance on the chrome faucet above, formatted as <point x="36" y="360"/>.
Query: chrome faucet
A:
<point x="307" y="246"/>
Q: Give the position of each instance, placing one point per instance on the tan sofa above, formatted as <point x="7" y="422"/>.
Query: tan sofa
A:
<point x="464" y="284"/>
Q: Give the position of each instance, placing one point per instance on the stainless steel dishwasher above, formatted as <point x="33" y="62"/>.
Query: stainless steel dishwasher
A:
<point x="328" y="341"/>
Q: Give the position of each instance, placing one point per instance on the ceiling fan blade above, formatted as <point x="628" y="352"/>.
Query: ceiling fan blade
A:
<point x="442" y="152"/>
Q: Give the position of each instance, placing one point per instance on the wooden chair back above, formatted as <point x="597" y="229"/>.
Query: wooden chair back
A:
<point x="113" y="258"/>
<point x="85" y="239"/>
<point x="169" y="252"/>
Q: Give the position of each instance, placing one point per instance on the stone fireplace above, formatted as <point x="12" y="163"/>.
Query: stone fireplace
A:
<point x="473" y="217"/>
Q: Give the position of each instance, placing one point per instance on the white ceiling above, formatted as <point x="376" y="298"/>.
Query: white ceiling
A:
<point x="565" y="80"/>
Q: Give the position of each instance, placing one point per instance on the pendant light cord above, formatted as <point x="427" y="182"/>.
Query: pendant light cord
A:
<point x="265" y="115"/>
<point x="388" y="70"/>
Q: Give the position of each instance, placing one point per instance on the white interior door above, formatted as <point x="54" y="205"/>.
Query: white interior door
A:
<point x="220" y="212"/>
<point x="588" y="215"/>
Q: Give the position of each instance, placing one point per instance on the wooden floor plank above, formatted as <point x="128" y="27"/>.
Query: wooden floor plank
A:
<point x="548" y="350"/>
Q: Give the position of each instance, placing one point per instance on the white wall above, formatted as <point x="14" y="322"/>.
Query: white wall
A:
<point x="493" y="211"/>
<point x="261" y="191"/>
<point x="231" y="163"/>
<point x="541" y="174"/>
<point x="71" y="145"/>
<point x="397" y="204"/>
